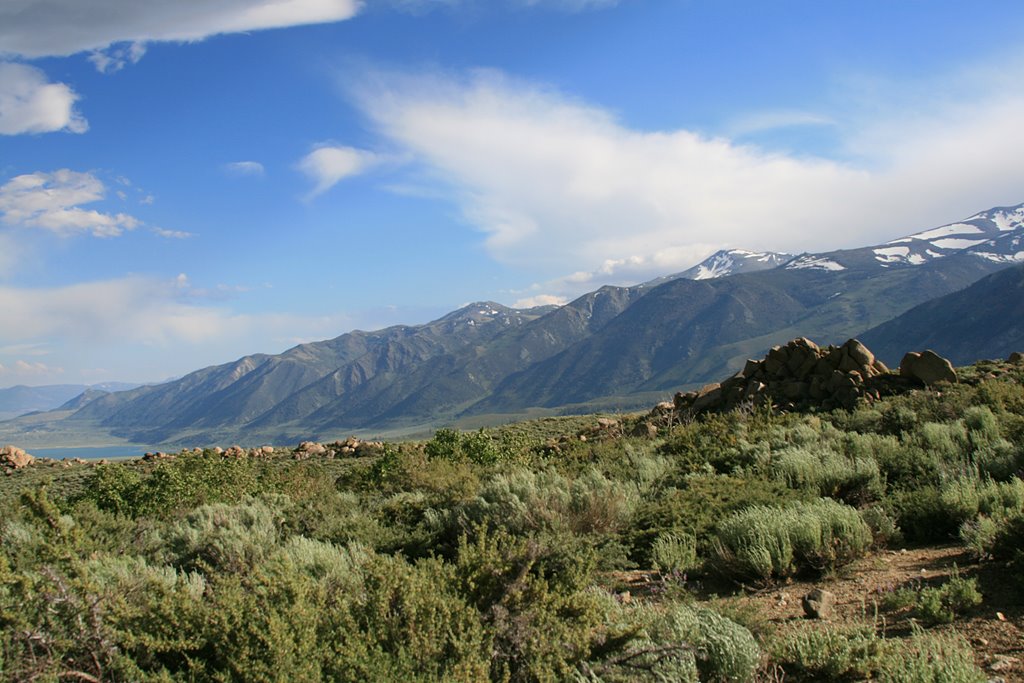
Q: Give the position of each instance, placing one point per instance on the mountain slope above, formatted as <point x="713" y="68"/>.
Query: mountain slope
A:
<point x="985" y="320"/>
<point x="687" y="332"/>
<point x="993" y="235"/>
<point x="728" y="262"/>
<point x="21" y="399"/>
<point x="613" y="346"/>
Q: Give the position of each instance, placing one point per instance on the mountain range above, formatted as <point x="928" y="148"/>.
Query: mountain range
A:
<point x="614" y="348"/>
<point x="21" y="399"/>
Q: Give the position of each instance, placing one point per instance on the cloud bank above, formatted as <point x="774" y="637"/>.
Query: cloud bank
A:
<point x="29" y="103"/>
<point x="116" y="31"/>
<point x="564" y="187"/>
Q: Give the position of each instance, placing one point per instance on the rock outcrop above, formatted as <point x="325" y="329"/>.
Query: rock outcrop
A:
<point x="801" y="375"/>
<point x="927" y="367"/>
<point x="350" y="447"/>
<point x="792" y="376"/>
<point x="14" y="458"/>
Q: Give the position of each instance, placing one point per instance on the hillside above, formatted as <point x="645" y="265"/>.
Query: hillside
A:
<point x="616" y="347"/>
<point x="985" y="320"/>
<point x="18" y="400"/>
<point x="802" y="544"/>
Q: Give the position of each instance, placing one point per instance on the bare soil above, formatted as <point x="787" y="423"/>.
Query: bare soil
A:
<point x="995" y="628"/>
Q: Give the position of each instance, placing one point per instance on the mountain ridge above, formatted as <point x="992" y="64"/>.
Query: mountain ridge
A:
<point x="485" y="359"/>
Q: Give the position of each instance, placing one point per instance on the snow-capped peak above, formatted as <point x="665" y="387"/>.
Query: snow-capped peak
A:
<point x="733" y="261"/>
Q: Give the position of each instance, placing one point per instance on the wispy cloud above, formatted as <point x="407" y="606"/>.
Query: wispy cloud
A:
<point x="556" y="184"/>
<point x="244" y="168"/>
<point x="149" y="328"/>
<point x="53" y="201"/>
<point x="328" y="165"/>
<point x="29" y="103"/>
<point x="65" y="27"/>
<point x="21" y="371"/>
<point x="115" y="59"/>
<point x="172" y="234"/>
<point x="540" y="300"/>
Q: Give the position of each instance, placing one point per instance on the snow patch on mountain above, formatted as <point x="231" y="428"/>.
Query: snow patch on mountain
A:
<point x="956" y="243"/>
<point x="732" y="261"/>
<point x="811" y="262"/>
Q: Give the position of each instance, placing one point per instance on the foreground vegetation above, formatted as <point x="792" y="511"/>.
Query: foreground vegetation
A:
<point x="506" y="554"/>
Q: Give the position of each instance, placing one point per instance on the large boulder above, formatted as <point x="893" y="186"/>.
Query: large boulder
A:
<point x="15" y="458"/>
<point x="927" y="367"/>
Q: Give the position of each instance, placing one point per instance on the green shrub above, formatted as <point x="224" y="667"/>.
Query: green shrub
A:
<point x="533" y="600"/>
<point x="525" y="501"/>
<point x="762" y="543"/>
<point x="723" y="650"/>
<point x="828" y="653"/>
<point x="695" y="505"/>
<point x="184" y="483"/>
<point x="476" y="447"/>
<point x="675" y="553"/>
<point x="884" y="530"/>
<point x="932" y="658"/>
<point x="224" y="538"/>
<point x="934" y="513"/>
<point x="852" y="480"/>
<point x="945" y="603"/>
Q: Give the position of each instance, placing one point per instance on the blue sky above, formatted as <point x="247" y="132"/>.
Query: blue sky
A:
<point x="185" y="183"/>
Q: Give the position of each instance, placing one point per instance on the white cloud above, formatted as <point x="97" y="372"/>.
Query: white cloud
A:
<point x="63" y="27"/>
<point x="244" y="168"/>
<point x="172" y="234"/>
<point x="148" y="328"/>
<point x="560" y="186"/>
<point x="29" y="103"/>
<point x="52" y="201"/>
<point x="326" y="166"/>
<point x="540" y="300"/>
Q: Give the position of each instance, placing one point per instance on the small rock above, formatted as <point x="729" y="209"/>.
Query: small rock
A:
<point x="1016" y="357"/>
<point x="1003" y="663"/>
<point x="818" y="604"/>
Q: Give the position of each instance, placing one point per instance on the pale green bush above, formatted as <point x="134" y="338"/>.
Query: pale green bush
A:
<point x="524" y="501"/>
<point x="932" y="658"/>
<point x="723" y="650"/>
<point x="853" y="480"/>
<point x="762" y="543"/>
<point x="224" y="537"/>
<point x="675" y="552"/>
<point x="828" y="653"/>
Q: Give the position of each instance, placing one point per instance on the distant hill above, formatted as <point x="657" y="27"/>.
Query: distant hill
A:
<point x="616" y="347"/>
<point x="21" y="399"/>
<point x="985" y="320"/>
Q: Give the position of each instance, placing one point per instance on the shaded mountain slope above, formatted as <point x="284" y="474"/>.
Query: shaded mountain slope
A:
<point x="984" y="320"/>
<point x="687" y="332"/>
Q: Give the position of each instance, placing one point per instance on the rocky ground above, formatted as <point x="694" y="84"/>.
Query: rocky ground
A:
<point x="995" y="628"/>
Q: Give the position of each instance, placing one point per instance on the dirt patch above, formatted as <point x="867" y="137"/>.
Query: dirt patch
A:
<point x="995" y="628"/>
